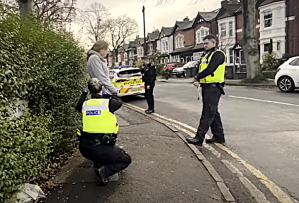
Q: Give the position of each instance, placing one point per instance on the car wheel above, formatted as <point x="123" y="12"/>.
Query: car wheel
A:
<point x="178" y="76"/>
<point x="286" y="84"/>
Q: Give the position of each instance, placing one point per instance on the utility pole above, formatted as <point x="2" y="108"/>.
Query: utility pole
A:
<point x="144" y="45"/>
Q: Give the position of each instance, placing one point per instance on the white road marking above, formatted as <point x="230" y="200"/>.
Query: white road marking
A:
<point x="262" y="100"/>
<point x="255" y="192"/>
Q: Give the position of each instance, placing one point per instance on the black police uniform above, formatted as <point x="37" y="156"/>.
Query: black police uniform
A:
<point x="211" y="93"/>
<point x="113" y="158"/>
<point x="149" y="77"/>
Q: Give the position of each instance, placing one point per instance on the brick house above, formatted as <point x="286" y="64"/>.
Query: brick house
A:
<point x="204" y="24"/>
<point x="183" y="40"/>
<point x="188" y="36"/>
<point x="292" y="27"/>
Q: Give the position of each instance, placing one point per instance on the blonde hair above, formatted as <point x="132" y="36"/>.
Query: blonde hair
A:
<point x="99" y="45"/>
<point x="94" y="86"/>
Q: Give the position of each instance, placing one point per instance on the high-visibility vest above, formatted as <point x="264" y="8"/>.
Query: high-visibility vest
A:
<point x="97" y="118"/>
<point x="218" y="75"/>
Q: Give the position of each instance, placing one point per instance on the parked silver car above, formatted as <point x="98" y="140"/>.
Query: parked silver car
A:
<point x="181" y="71"/>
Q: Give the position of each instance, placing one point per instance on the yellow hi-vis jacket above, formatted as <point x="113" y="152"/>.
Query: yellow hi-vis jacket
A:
<point x="97" y="118"/>
<point x="218" y="75"/>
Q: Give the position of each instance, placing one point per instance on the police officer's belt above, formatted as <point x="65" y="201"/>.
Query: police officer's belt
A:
<point x="99" y="138"/>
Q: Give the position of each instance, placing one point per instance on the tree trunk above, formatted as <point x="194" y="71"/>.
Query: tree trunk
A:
<point x="113" y="59"/>
<point x="26" y="7"/>
<point x="250" y="45"/>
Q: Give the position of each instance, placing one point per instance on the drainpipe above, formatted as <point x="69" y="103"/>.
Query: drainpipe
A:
<point x="287" y="44"/>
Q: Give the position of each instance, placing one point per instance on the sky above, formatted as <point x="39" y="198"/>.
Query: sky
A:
<point x="155" y="16"/>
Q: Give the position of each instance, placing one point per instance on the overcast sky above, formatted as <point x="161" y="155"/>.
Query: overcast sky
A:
<point x="156" y="16"/>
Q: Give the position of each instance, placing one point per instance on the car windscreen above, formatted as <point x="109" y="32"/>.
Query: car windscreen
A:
<point x="190" y="64"/>
<point x="129" y="73"/>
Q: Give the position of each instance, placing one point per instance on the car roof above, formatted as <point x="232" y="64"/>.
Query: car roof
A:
<point x="124" y="69"/>
<point x="295" y="57"/>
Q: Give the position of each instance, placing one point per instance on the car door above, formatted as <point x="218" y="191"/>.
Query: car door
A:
<point x="294" y="66"/>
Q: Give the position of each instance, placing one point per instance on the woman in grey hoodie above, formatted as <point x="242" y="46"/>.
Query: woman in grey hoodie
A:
<point x="97" y="67"/>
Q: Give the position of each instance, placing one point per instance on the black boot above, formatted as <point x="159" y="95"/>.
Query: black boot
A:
<point x="150" y="111"/>
<point x="215" y="140"/>
<point x="101" y="172"/>
<point x="196" y="141"/>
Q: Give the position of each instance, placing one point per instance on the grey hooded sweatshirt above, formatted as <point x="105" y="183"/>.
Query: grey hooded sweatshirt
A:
<point x="97" y="68"/>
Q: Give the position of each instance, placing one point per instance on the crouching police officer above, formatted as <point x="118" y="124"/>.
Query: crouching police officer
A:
<point x="98" y="137"/>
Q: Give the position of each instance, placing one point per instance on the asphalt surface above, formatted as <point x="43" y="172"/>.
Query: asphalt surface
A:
<point x="261" y="126"/>
<point x="163" y="169"/>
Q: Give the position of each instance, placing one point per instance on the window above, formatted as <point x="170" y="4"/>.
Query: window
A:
<point x="150" y="47"/>
<point x="230" y="28"/>
<point x="201" y="34"/>
<point x="268" y="19"/>
<point x="267" y="47"/>
<point x="223" y="29"/>
<point x="129" y="73"/>
<point x="179" y="42"/>
<point x="231" y="56"/>
<point x="242" y="58"/>
<point x="278" y="46"/>
<point x="166" y="46"/>
<point x="295" y="62"/>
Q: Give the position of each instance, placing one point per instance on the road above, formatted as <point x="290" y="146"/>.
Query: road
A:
<point x="261" y="125"/>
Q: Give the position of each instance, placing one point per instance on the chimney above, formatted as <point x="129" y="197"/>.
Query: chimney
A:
<point x="224" y="2"/>
<point x="186" y="19"/>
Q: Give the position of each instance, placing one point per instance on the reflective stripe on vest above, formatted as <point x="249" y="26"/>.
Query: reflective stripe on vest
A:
<point x="97" y="118"/>
<point x="218" y="75"/>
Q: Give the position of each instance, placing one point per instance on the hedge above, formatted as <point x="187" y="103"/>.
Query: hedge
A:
<point x="46" y="68"/>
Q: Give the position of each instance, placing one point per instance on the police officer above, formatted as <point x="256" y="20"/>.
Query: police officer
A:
<point x="98" y="137"/>
<point x="211" y="77"/>
<point x="149" y="75"/>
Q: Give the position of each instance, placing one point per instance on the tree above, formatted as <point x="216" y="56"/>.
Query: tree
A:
<point x="94" y="21"/>
<point x="119" y="31"/>
<point x="54" y="11"/>
<point x="250" y="46"/>
<point x="25" y="7"/>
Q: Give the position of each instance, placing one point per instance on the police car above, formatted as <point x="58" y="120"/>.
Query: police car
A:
<point x="127" y="81"/>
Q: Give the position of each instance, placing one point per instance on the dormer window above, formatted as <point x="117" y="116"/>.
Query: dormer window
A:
<point x="179" y="41"/>
<point x="201" y="33"/>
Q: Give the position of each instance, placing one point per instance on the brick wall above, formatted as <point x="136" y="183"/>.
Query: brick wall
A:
<point x="293" y="30"/>
<point x="188" y="36"/>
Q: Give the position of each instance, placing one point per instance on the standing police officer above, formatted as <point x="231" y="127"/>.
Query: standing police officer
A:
<point x="98" y="137"/>
<point x="211" y="77"/>
<point x="149" y="75"/>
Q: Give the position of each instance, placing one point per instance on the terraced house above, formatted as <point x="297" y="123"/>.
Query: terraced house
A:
<point x="277" y="29"/>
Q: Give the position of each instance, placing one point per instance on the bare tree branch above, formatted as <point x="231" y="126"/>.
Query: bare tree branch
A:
<point x="120" y="30"/>
<point x="94" y="21"/>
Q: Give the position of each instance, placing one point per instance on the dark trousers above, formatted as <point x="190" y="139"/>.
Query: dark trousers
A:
<point x="149" y="95"/>
<point x="113" y="158"/>
<point x="210" y="117"/>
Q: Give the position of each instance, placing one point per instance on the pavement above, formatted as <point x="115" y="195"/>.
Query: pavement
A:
<point x="163" y="169"/>
<point x="261" y="127"/>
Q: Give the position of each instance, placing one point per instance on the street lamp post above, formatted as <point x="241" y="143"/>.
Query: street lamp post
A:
<point x="144" y="45"/>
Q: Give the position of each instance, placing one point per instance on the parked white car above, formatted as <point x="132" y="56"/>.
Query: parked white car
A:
<point x="287" y="75"/>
